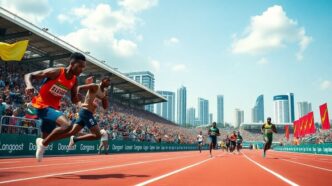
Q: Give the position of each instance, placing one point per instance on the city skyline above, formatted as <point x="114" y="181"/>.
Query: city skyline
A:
<point x="211" y="53"/>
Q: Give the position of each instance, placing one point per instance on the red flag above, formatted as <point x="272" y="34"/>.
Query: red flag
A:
<point x="324" y="115"/>
<point x="306" y="124"/>
<point x="296" y="128"/>
<point x="301" y="127"/>
<point x="311" y="129"/>
<point x="287" y="132"/>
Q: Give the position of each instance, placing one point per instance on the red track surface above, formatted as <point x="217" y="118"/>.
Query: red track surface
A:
<point x="173" y="168"/>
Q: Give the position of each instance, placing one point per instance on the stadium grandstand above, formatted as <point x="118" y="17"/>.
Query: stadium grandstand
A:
<point x="126" y="118"/>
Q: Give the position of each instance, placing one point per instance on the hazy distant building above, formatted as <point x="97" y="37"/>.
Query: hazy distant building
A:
<point x="203" y="111"/>
<point x="257" y="112"/>
<point x="238" y="117"/>
<point x="284" y="108"/>
<point x="220" y="110"/>
<point x="166" y="109"/>
<point x="182" y="105"/>
<point x="145" y="78"/>
<point x="303" y="108"/>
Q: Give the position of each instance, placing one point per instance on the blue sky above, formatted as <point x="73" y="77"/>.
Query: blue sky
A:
<point x="239" y="49"/>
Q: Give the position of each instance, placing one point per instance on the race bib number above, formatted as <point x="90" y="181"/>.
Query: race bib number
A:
<point x="58" y="90"/>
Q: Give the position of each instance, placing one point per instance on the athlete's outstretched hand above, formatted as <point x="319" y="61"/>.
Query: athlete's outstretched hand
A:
<point x="30" y="91"/>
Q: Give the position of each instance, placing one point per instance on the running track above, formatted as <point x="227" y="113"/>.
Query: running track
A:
<point x="172" y="168"/>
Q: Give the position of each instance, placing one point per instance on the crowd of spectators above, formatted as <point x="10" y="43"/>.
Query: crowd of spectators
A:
<point x="123" y="122"/>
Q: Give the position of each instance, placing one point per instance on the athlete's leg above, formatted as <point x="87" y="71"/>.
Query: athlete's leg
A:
<point x="100" y="146"/>
<point x="105" y="144"/>
<point x="94" y="135"/>
<point x="63" y="127"/>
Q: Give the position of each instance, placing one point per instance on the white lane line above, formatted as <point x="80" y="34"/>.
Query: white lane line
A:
<point x="272" y="172"/>
<point x="171" y="173"/>
<point x="87" y="170"/>
<point x="312" y="166"/>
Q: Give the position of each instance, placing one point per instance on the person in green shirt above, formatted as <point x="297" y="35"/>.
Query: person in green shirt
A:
<point x="239" y="141"/>
<point x="267" y="130"/>
<point x="213" y="132"/>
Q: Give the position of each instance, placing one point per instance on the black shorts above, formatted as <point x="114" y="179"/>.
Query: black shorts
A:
<point x="213" y="139"/>
<point x="85" y="118"/>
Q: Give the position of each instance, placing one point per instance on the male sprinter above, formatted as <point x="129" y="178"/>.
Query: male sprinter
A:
<point x="88" y="109"/>
<point x="267" y="130"/>
<point x="233" y="142"/>
<point x="57" y="82"/>
<point x="239" y="141"/>
<point x="213" y="132"/>
<point x="200" y="141"/>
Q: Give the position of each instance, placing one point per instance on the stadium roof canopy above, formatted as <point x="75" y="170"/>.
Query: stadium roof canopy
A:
<point x="45" y="49"/>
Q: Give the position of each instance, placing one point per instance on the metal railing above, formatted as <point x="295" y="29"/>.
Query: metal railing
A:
<point x="19" y="125"/>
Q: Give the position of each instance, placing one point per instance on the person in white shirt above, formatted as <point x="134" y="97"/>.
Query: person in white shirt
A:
<point x="200" y="139"/>
<point x="103" y="141"/>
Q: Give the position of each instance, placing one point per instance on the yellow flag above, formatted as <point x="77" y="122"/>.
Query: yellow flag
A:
<point x="13" y="52"/>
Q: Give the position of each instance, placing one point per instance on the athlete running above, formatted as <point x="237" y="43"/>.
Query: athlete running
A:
<point x="228" y="144"/>
<point x="239" y="141"/>
<point x="89" y="107"/>
<point x="267" y="130"/>
<point x="213" y="132"/>
<point x="104" y="140"/>
<point x="233" y="142"/>
<point x="57" y="82"/>
<point x="200" y="139"/>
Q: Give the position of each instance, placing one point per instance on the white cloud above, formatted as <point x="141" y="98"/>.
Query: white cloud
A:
<point x="155" y="64"/>
<point x="81" y="11"/>
<point x="137" y="5"/>
<point x="99" y="27"/>
<point x="325" y="85"/>
<point x="31" y="10"/>
<point x="171" y="41"/>
<point x="179" y="67"/>
<point x="271" y="30"/>
<point x="64" y="18"/>
<point x="263" y="61"/>
<point x="124" y="47"/>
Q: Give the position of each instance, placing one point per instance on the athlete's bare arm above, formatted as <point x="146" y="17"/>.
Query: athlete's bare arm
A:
<point x="104" y="101"/>
<point x="50" y="73"/>
<point x="75" y="98"/>
<point x="91" y="87"/>
<point x="274" y="129"/>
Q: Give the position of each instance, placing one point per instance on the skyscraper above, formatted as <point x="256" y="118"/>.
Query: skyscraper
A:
<point x="145" y="78"/>
<point x="258" y="110"/>
<point x="203" y="111"/>
<point x="167" y="109"/>
<point x="220" y="110"/>
<point x="182" y="105"/>
<point x="303" y="108"/>
<point x="238" y="117"/>
<point x="291" y="107"/>
<point x="283" y="108"/>
<point x="210" y="118"/>
<point x="191" y="116"/>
